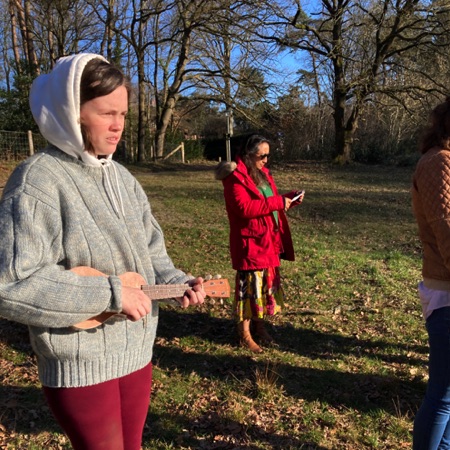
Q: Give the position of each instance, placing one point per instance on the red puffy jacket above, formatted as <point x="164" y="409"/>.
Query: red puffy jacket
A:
<point x="256" y="240"/>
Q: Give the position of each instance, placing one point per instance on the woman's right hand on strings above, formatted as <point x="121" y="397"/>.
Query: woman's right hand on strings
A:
<point x="135" y="304"/>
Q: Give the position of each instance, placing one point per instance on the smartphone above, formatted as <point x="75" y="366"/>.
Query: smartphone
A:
<point x="294" y="199"/>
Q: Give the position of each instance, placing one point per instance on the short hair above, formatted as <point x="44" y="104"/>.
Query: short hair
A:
<point x="100" y="78"/>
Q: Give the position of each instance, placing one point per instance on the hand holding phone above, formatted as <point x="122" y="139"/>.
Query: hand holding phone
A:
<point x="298" y="196"/>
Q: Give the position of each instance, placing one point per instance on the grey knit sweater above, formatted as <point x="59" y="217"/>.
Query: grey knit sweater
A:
<point x="55" y="214"/>
<point x="59" y="211"/>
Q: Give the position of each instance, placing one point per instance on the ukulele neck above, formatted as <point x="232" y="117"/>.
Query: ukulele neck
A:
<point x="163" y="291"/>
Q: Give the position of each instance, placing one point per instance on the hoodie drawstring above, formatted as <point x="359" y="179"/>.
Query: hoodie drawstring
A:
<point x="114" y="194"/>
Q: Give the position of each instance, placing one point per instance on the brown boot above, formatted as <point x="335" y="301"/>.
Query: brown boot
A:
<point x="246" y="338"/>
<point x="261" y="332"/>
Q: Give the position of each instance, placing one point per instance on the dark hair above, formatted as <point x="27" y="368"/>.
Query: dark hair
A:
<point x="437" y="134"/>
<point x="247" y="154"/>
<point x="99" y="78"/>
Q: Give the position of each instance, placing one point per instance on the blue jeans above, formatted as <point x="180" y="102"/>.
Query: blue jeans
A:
<point x="432" y="422"/>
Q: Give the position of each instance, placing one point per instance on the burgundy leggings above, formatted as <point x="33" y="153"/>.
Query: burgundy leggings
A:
<point x="105" y="416"/>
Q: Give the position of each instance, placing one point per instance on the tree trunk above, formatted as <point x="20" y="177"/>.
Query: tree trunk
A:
<point x="340" y="91"/>
<point x="160" y="138"/>
<point x="343" y="142"/>
<point x="24" y="21"/>
<point x="162" y="125"/>
<point x="14" y="37"/>
<point x="32" y="58"/>
<point x="108" y="32"/>
<point x="342" y="149"/>
<point x="172" y="95"/>
<point x="344" y="133"/>
<point x="141" y="154"/>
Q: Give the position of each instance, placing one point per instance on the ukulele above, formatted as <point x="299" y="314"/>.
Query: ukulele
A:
<point x="214" y="288"/>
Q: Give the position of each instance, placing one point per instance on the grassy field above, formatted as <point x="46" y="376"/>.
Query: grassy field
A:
<point x="349" y="367"/>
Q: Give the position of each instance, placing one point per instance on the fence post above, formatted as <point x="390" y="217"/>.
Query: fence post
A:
<point x="30" y="143"/>
<point x="180" y="147"/>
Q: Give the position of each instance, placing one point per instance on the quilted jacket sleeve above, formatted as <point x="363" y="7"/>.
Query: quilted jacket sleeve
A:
<point x="432" y="187"/>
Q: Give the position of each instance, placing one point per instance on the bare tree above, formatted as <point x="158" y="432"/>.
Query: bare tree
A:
<point x="171" y="41"/>
<point x="232" y="65"/>
<point x="129" y="20"/>
<point x="14" y="37"/>
<point x="62" y="28"/>
<point x="181" y="40"/>
<point x="161" y="34"/>
<point x="106" y="46"/>
<point x="362" y="44"/>
<point x="21" y="16"/>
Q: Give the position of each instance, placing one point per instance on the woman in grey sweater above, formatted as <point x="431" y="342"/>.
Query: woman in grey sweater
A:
<point x="68" y="206"/>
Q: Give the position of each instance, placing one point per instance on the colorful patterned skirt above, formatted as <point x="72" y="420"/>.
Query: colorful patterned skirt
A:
<point x="258" y="294"/>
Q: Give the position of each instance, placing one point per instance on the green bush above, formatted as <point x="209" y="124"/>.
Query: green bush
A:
<point x="193" y="150"/>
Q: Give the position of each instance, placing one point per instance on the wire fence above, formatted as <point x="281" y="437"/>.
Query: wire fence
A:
<point x="18" y="145"/>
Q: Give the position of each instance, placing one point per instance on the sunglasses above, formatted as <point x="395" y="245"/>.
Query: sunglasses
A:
<point x="261" y="157"/>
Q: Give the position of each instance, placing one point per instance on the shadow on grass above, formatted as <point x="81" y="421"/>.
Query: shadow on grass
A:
<point x="24" y="410"/>
<point x="226" y="434"/>
<point x="164" y="167"/>
<point x="364" y="207"/>
<point x="15" y="335"/>
<point x="352" y="389"/>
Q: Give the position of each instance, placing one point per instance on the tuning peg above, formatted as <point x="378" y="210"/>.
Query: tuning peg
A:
<point x="217" y="277"/>
<point x="208" y="277"/>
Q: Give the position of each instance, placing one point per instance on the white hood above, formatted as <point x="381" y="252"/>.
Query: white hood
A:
<point x="55" y="104"/>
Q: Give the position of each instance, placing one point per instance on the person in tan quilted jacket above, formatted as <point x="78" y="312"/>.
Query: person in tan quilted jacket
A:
<point x="431" y="204"/>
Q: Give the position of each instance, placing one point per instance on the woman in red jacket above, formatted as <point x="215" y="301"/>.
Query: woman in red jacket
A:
<point x="259" y="237"/>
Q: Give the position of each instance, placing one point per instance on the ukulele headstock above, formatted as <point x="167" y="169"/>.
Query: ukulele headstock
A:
<point x="216" y="287"/>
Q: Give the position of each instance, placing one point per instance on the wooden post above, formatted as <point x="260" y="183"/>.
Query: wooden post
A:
<point x="180" y="147"/>
<point x="30" y="143"/>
